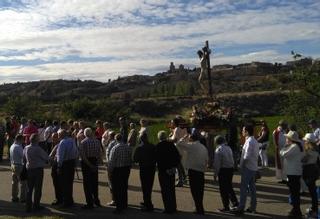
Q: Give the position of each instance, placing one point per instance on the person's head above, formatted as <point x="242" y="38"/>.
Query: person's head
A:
<point x="218" y="140"/>
<point x="247" y="130"/>
<point x="292" y="137"/>
<point x="312" y="123"/>
<point x="82" y="124"/>
<point x="143" y="122"/>
<point x="47" y="123"/>
<point x="62" y="133"/>
<point x="112" y="135"/>
<point x="162" y="135"/>
<point x="30" y="122"/>
<point x="76" y="125"/>
<point x="70" y="122"/>
<point x="283" y="124"/>
<point x="34" y="139"/>
<point x="55" y="138"/>
<point x="263" y="123"/>
<point x="118" y="137"/>
<point x="310" y="142"/>
<point x="293" y="127"/>
<point x="122" y="121"/>
<point x="88" y="132"/>
<point x="175" y="122"/>
<point x="106" y="125"/>
<point x="132" y="125"/>
<point x="64" y="125"/>
<point x="99" y="124"/>
<point x="18" y="139"/>
<point x="55" y="123"/>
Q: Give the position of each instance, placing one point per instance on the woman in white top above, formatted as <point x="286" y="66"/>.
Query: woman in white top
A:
<point x="310" y="171"/>
<point x="293" y="154"/>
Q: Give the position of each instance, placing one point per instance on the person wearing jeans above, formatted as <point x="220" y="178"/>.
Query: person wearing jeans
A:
<point x="249" y="167"/>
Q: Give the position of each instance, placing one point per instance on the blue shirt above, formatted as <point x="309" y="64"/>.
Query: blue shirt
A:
<point x="67" y="150"/>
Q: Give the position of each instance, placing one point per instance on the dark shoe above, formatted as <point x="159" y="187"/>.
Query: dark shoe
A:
<point x="87" y="207"/>
<point x="142" y="203"/>
<point x="238" y="212"/>
<point x="56" y="202"/>
<point x="117" y="211"/>
<point x="199" y="212"/>
<point x="112" y="203"/>
<point x="145" y="209"/>
<point x="295" y="213"/>
<point x="224" y="210"/>
<point x="169" y="211"/>
<point x="38" y="208"/>
<point x="282" y="182"/>
<point x="179" y="184"/>
<point x="66" y="205"/>
<point x="249" y="210"/>
<point x="98" y="204"/>
<point x="15" y="200"/>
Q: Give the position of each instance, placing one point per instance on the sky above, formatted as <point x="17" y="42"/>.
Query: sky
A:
<point x="105" y="39"/>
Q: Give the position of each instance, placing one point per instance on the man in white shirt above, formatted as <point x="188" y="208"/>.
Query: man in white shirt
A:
<point x="175" y="136"/>
<point x="196" y="164"/>
<point x="16" y="158"/>
<point x="249" y="167"/>
<point x="316" y="130"/>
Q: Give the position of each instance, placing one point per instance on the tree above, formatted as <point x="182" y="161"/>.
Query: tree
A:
<point x="304" y="98"/>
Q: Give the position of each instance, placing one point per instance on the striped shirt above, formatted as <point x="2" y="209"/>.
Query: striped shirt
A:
<point x="120" y="156"/>
<point x="90" y="147"/>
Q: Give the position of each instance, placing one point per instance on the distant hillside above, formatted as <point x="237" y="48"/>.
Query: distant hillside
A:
<point x="248" y="77"/>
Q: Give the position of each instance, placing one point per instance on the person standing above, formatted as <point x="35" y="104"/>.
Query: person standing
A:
<point x="224" y="168"/>
<point x="167" y="159"/>
<point x="310" y="171"/>
<point x="123" y="129"/>
<point x="90" y="153"/>
<point x="132" y="137"/>
<point x="99" y="130"/>
<point x="119" y="167"/>
<point x="279" y="141"/>
<point x="2" y="139"/>
<point x="316" y="130"/>
<point x="54" y="171"/>
<point x="196" y="164"/>
<point x="67" y="153"/>
<point x="143" y="129"/>
<point x="48" y="135"/>
<point x="112" y="142"/>
<point x="16" y="158"/>
<point x="249" y="167"/>
<point x="263" y="139"/>
<point x="145" y="155"/>
<point x="30" y="129"/>
<point x="175" y="136"/>
<point x="106" y="135"/>
<point x="36" y="159"/>
<point x="293" y="154"/>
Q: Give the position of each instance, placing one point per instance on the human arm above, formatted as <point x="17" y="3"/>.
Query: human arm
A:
<point x="288" y="151"/>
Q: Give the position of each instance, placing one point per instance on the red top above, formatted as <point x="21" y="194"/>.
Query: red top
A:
<point x="99" y="132"/>
<point x="28" y="131"/>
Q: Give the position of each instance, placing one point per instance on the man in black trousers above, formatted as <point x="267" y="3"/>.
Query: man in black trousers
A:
<point x="67" y="153"/>
<point x="119" y="167"/>
<point x="90" y="152"/>
<point x="167" y="159"/>
<point x="145" y="156"/>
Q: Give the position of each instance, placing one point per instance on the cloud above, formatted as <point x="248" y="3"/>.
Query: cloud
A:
<point x="121" y="36"/>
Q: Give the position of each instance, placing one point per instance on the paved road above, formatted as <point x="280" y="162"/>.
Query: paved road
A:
<point x="272" y="198"/>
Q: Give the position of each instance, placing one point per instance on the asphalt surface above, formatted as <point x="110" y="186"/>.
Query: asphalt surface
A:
<point x="272" y="198"/>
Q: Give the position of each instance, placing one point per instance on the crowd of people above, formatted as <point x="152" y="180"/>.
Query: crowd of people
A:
<point x="184" y="151"/>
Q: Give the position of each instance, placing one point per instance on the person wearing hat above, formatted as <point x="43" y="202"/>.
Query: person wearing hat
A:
<point x="316" y="130"/>
<point x="223" y="168"/>
<point x="196" y="163"/>
<point x="293" y="154"/>
<point x="310" y="171"/>
<point x="279" y="141"/>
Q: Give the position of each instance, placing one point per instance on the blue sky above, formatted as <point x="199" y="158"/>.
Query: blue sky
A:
<point x="104" y="39"/>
